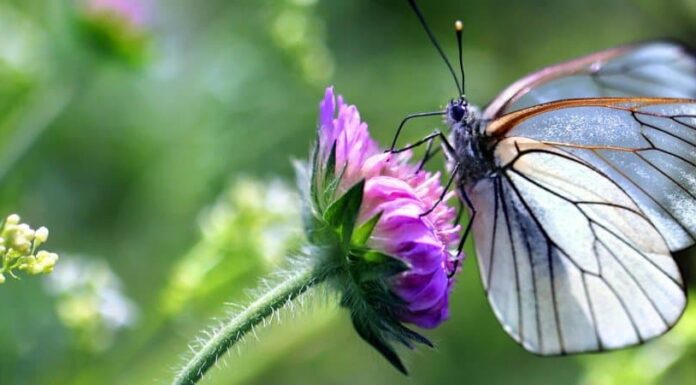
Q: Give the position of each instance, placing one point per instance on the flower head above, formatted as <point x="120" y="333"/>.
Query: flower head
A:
<point x="391" y="223"/>
<point x="400" y="194"/>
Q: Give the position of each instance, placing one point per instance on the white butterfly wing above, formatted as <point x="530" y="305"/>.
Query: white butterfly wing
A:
<point x="655" y="69"/>
<point x="568" y="261"/>
<point x="590" y="198"/>
<point x="646" y="146"/>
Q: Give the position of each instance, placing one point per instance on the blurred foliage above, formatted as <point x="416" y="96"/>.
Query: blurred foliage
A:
<point x="258" y="220"/>
<point x="668" y="360"/>
<point x="121" y="135"/>
<point x="90" y="302"/>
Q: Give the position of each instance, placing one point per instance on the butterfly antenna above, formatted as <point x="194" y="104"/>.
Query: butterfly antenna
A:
<point x="435" y="43"/>
<point x="458" y="26"/>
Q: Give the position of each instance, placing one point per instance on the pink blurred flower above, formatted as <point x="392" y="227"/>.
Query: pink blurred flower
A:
<point x="401" y="193"/>
<point x="137" y="13"/>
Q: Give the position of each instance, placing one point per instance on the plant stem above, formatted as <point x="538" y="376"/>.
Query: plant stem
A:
<point x="300" y="279"/>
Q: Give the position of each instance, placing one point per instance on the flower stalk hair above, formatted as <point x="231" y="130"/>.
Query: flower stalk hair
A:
<point x="19" y="252"/>
<point x="376" y="238"/>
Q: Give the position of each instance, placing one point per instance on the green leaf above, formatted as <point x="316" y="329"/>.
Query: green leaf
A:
<point x="363" y="232"/>
<point x="343" y="213"/>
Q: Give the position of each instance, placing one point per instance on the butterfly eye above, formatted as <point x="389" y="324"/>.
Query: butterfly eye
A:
<point x="457" y="112"/>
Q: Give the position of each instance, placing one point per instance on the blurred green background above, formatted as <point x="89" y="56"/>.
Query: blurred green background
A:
<point x="154" y="141"/>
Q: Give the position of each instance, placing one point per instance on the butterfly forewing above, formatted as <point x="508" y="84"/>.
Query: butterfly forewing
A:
<point x="646" y="146"/>
<point x="569" y="261"/>
<point x="656" y="69"/>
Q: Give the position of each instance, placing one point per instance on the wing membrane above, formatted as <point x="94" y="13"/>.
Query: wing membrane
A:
<point x="646" y="146"/>
<point x="655" y="69"/>
<point x="569" y="262"/>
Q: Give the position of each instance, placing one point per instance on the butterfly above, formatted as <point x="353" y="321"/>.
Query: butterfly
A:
<point x="580" y="181"/>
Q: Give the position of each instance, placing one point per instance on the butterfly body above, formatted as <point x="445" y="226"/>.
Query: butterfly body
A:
<point x="473" y="148"/>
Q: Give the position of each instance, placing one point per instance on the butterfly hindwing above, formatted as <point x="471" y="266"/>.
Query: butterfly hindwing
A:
<point x="569" y="262"/>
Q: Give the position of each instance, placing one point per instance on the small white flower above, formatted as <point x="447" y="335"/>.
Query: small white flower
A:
<point x="12" y="219"/>
<point x="41" y="234"/>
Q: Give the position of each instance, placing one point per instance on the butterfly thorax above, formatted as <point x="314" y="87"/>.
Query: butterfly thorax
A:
<point x="473" y="150"/>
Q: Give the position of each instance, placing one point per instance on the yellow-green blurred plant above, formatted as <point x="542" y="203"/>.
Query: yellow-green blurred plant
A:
<point x="90" y="302"/>
<point x="298" y="31"/>
<point x="19" y="245"/>
<point x="252" y="224"/>
<point x="245" y="232"/>
<point x="22" y="65"/>
<point x="658" y="362"/>
<point x="20" y="54"/>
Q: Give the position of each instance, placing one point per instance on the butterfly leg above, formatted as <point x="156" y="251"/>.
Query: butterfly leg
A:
<point x="453" y="175"/>
<point x="450" y="150"/>
<point x="406" y="119"/>
<point x="435" y="135"/>
<point x="467" y="230"/>
<point x="428" y="139"/>
<point x="429" y="154"/>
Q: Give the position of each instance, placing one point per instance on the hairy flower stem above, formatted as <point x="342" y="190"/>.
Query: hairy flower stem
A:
<point x="300" y="279"/>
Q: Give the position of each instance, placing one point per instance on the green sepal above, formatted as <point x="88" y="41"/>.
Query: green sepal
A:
<point x="330" y="168"/>
<point x="363" y="232"/>
<point x="310" y="222"/>
<point x="331" y="180"/>
<point x="373" y="312"/>
<point x="371" y="336"/>
<point x="313" y="179"/>
<point x="343" y="212"/>
<point x="331" y="187"/>
<point x="370" y="265"/>
<point x="374" y="307"/>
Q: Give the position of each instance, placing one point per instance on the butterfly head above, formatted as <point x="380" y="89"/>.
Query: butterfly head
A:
<point x="458" y="111"/>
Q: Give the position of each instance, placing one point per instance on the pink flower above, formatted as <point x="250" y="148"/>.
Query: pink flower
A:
<point x="353" y="142"/>
<point x="401" y="193"/>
